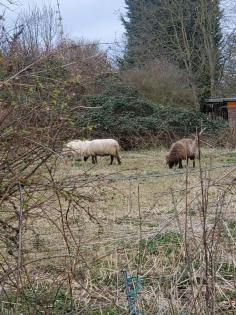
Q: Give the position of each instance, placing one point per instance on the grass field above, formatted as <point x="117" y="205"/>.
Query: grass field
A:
<point x="175" y="229"/>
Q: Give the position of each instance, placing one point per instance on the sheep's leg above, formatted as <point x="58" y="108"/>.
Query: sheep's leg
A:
<point x="118" y="159"/>
<point x="193" y="162"/>
<point x="112" y="158"/>
<point x="96" y="160"/>
<point x="187" y="161"/>
<point x="93" y="159"/>
<point x="180" y="164"/>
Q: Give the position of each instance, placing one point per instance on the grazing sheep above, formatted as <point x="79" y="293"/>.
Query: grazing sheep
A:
<point x="180" y="150"/>
<point x="183" y="149"/>
<point x="102" y="147"/>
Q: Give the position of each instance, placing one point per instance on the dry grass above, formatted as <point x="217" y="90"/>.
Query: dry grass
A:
<point x="145" y="218"/>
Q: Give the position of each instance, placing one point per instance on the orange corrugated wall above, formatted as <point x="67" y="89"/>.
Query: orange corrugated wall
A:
<point x="231" y="106"/>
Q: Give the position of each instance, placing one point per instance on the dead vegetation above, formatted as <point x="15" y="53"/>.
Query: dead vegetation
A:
<point x="77" y="227"/>
<point x="161" y="82"/>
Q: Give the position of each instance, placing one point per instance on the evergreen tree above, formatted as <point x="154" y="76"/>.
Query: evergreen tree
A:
<point x="141" y="30"/>
<point x="186" y="32"/>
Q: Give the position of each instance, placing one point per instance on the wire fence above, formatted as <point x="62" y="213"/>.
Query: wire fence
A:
<point x="114" y="220"/>
<point x="151" y="174"/>
<point x="149" y="207"/>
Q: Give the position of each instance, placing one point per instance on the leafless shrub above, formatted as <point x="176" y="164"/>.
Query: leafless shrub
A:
<point x="225" y="139"/>
<point x="40" y="30"/>
<point x="162" y="82"/>
<point x="86" y="61"/>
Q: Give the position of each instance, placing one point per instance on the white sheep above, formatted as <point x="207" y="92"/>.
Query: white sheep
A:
<point x="102" y="147"/>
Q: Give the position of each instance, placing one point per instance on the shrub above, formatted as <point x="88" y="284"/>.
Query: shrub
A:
<point x="162" y="82"/>
<point x="137" y="122"/>
<point x="38" y="299"/>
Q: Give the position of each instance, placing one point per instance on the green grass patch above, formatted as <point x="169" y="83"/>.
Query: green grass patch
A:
<point x="227" y="271"/>
<point x="37" y="300"/>
<point x="232" y="229"/>
<point x="167" y="242"/>
<point x="231" y="160"/>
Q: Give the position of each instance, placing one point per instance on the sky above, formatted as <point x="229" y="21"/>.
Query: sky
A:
<point x="93" y="19"/>
<point x="100" y="19"/>
<point x="88" y="19"/>
<point x="229" y="8"/>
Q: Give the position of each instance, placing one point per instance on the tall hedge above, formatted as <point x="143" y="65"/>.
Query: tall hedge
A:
<point x="120" y="112"/>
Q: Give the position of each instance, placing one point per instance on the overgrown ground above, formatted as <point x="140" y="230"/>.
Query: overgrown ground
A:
<point x="175" y="229"/>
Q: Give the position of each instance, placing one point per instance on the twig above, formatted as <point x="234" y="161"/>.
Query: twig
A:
<point x="86" y="107"/>
<point x="20" y="224"/>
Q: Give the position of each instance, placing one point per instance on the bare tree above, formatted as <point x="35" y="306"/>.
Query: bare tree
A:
<point x="162" y="82"/>
<point x="41" y="32"/>
<point x="183" y="31"/>
<point x="208" y="16"/>
<point x="228" y="82"/>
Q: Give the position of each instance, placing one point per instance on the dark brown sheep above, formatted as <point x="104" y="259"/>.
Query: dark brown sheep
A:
<point x="183" y="149"/>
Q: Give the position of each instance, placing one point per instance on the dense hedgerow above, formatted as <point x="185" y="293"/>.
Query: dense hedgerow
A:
<point x="124" y="114"/>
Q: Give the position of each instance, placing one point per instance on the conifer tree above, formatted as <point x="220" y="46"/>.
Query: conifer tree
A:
<point x="186" y="32"/>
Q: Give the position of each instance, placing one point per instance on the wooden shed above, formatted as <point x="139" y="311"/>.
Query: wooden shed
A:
<point x="224" y="108"/>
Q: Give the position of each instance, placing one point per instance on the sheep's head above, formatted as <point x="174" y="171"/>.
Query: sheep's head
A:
<point x="170" y="161"/>
<point x="67" y="153"/>
<point x="171" y="164"/>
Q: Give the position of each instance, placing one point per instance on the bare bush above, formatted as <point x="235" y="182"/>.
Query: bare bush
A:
<point x="85" y="62"/>
<point x="40" y="30"/>
<point x="162" y="82"/>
